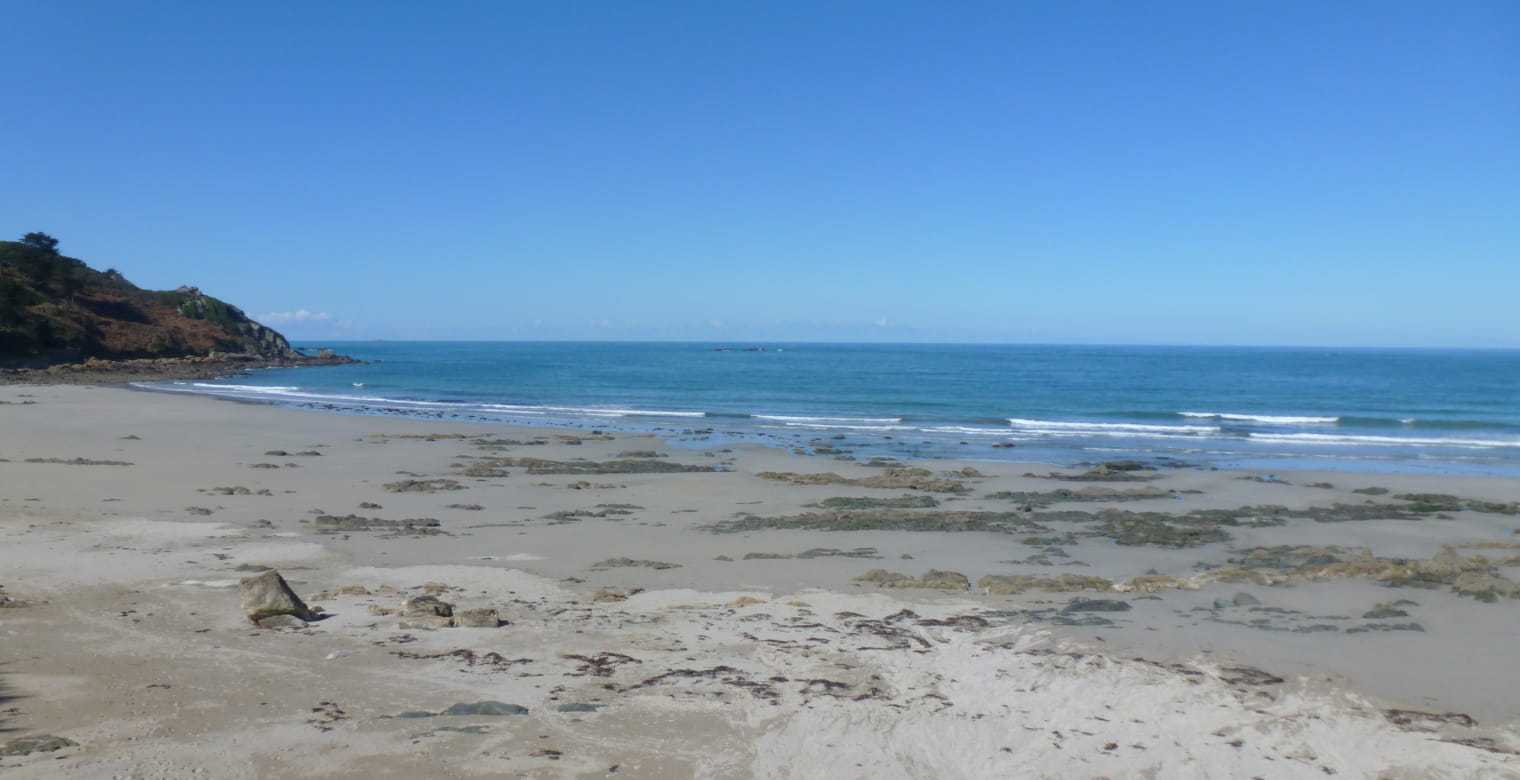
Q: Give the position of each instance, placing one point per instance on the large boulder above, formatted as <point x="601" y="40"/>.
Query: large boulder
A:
<point x="267" y="595"/>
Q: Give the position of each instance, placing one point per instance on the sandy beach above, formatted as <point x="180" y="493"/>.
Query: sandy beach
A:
<point x="674" y="609"/>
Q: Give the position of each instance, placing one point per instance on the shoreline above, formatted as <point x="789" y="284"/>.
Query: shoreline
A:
<point x="706" y="431"/>
<point x="128" y="544"/>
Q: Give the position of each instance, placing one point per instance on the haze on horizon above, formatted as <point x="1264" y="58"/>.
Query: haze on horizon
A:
<point x="1253" y="173"/>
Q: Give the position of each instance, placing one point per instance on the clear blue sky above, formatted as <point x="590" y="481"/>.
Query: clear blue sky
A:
<point x="1319" y="172"/>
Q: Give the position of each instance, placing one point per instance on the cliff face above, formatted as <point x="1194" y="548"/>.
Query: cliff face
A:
<point x="56" y="309"/>
<point x="256" y="339"/>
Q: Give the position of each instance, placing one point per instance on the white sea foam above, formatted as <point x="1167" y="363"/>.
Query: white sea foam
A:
<point x="588" y="411"/>
<point x="962" y="430"/>
<point x="1408" y="441"/>
<point x="514" y="409"/>
<point x="1270" y="419"/>
<point x="1037" y="433"/>
<point x="843" y="427"/>
<point x="800" y="419"/>
<point x="605" y="412"/>
<point x="297" y="394"/>
<point x="257" y="388"/>
<point x="1094" y="428"/>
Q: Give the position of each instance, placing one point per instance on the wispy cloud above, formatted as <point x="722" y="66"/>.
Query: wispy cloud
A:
<point x="299" y="315"/>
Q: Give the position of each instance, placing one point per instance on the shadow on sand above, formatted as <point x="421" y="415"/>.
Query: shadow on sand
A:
<point x="6" y="697"/>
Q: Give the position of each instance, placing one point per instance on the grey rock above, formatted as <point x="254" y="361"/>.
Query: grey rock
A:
<point x="612" y="563"/>
<point x="415" y="526"/>
<point x="422" y="485"/>
<point x="477" y="618"/>
<point x="1385" y="627"/>
<point x="1417" y="720"/>
<point x="486" y="708"/>
<point x="1485" y="587"/>
<point x="267" y="595"/>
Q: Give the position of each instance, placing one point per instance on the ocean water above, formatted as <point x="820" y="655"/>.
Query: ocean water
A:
<point x="1405" y="410"/>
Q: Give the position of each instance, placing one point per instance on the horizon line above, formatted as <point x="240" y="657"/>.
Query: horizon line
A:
<point x="763" y="343"/>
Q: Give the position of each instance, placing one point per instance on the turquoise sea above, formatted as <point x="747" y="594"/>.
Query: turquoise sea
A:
<point x="1408" y="410"/>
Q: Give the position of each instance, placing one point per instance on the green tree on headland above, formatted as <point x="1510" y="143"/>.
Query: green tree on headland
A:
<point x="41" y="241"/>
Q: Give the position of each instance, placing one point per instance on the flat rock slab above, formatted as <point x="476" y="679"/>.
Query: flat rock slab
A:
<point x="477" y="618"/>
<point x="486" y="708"/>
<point x="1096" y="605"/>
<point x="451" y="730"/>
<point x="45" y="743"/>
<point x="425" y="623"/>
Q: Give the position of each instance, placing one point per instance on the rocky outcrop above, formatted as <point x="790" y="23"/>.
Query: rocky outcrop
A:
<point x="256" y="339"/>
<point x="1010" y="584"/>
<point x="428" y="606"/>
<point x="932" y="579"/>
<point x="57" y="311"/>
<point x="155" y="369"/>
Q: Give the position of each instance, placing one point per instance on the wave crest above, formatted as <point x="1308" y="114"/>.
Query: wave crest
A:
<point x="1270" y="419"/>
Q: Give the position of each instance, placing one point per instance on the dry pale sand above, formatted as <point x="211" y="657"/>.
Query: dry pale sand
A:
<point x="732" y="662"/>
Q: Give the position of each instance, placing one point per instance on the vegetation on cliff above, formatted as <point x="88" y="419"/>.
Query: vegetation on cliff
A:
<point x="56" y="309"/>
